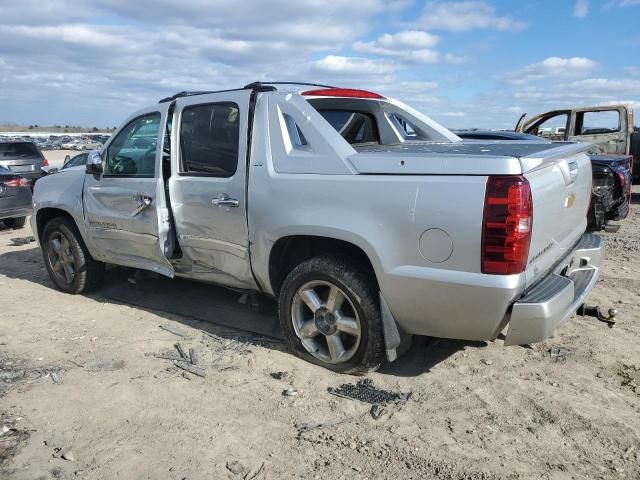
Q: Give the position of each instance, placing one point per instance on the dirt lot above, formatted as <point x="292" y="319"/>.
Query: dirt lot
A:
<point x="83" y="396"/>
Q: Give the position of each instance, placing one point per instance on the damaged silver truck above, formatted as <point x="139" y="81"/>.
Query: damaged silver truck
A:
<point x="365" y="219"/>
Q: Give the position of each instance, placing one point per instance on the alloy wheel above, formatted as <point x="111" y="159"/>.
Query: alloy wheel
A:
<point x="326" y="321"/>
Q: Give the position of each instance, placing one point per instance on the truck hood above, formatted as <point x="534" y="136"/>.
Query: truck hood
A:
<point x="499" y="157"/>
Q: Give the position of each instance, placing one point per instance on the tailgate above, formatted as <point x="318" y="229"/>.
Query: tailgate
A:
<point x="21" y="165"/>
<point x="561" y="191"/>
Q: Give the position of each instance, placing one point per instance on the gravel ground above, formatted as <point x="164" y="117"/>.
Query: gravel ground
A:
<point x="82" y="394"/>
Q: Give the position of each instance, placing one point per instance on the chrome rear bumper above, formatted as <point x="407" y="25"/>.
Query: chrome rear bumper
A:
<point x="556" y="298"/>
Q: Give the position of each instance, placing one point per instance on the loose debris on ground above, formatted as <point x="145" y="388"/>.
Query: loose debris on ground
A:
<point x="22" y="240"/>
<point x="379" y="399"/>
<point x="560" y="354"/>
<point x="12" y="438"/>
<point x="218" y="351"/>
<point x="364" y="391"/>
<point x="568" y="407"/>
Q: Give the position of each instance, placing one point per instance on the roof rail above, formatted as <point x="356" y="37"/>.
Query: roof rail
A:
<point x="255" y="86"/>
<point x="261" y="84"/>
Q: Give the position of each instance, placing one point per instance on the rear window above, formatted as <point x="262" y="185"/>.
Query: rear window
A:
<point x="209" y="139"/>
<point x="18" y="150"/>
<point x="355" y="127"/>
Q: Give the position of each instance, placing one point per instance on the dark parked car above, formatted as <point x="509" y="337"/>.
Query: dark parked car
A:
<point x="23" y="158"/>
<point x="15" y="198"/>
<point x="612" y="177"/>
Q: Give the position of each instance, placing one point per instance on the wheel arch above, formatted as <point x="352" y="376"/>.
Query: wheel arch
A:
<point x="45" y="215"/>
<point x="291" y="250"/>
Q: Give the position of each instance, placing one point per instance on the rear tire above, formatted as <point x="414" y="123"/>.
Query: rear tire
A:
<point x="70" y="265"/>
<point x="346" y="305"/>
<point x="15" y="223"/>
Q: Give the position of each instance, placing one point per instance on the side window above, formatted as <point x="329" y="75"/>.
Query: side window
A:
<point x="209" y="139"/>
<point x="591" y="123"/>
<point x="295" y="134"/>
<point x="407" y="128"/>
<point x="355" y="127"/>
<point x="551" y="127"/>
<point x="133" y="151"/>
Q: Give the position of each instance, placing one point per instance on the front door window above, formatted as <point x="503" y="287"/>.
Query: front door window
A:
<point x="133" y="151"/>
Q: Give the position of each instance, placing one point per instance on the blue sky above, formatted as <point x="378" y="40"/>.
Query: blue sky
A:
<point x="469" y="63"/>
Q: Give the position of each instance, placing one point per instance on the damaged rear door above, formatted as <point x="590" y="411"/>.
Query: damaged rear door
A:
<point x="208" y="187"/>
<point x="607" y="128"/>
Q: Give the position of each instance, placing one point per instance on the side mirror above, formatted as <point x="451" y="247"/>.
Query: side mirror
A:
<point x="94" y="163"/>
<point x="49" y="170"/>
<point x="66" y="159"/>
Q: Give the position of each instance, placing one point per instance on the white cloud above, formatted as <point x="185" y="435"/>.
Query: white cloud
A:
<point x="581" y="8"/>
<point x="549" y="68"/>
<point x="635" y="104"/>
<point x="629" y="3"/>
<point x="410" y="46"/>
<point x="589" y="91"/>
<point x="339" y="65"/>
<point x="455" y="59"/>
<point x="466" y="15"/>
<point x="621" y="86"/>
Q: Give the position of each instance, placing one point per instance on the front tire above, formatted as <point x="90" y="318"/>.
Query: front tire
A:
<point x="70" y="266"/>
<point x="15" y="223"/>
<point x="330" y="314"/>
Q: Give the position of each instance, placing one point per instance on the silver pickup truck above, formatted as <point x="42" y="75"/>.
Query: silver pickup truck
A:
<point x="368" y="221"/>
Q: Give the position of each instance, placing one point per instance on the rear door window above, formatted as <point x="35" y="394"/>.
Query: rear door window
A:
<point x="355" y="127"/>
<point x="591" y="123"/>
<point x="209" y="139"/>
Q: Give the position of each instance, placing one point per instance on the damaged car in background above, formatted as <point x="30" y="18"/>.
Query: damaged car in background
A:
<point x="612" y="178"/>
<point x="366" y="220"/>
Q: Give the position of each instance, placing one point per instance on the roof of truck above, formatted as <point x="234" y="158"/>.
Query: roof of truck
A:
<point x="323" y="90"/>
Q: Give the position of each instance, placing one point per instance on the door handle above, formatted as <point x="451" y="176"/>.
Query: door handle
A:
<point x="223" y="200"/>
<point x="144" y="201"/>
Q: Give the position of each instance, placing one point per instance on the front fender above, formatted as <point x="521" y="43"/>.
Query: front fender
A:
<point x="62" y="191"/>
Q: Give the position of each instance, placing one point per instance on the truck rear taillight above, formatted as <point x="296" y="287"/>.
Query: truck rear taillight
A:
<point x="506" y="226"/>
<point x="45" y="162"/>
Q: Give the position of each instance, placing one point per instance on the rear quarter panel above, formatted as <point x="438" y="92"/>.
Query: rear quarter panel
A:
<point x="430" y="290"/>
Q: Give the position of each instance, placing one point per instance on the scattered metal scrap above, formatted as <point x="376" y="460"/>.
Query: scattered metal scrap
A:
<point x="307" y="427"/>
<point x="594" y="311"/>
<point x="559" y="354"/>
<point x="16" y="242"/>
<point x="364" y="391"/>
<point x="181" y="351"/>
<point x="175" y="331"/>
<point x="188" y="367"/>
<point x="193" y="356"/>
<point x="290" y="392"/>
